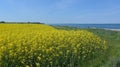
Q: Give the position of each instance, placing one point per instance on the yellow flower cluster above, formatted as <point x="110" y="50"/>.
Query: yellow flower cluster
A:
<point x="35" y="45"/>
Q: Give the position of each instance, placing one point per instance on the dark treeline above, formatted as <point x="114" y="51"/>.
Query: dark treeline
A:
<point x="3" y="22"/>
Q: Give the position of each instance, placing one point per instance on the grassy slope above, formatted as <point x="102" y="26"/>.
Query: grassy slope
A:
<point x="113" y="39"/>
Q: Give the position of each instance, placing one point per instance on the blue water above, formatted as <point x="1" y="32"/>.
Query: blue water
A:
<point x="102" y="26"/>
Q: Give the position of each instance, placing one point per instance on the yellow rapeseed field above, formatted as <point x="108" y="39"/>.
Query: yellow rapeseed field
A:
<point x="37" y="45"/>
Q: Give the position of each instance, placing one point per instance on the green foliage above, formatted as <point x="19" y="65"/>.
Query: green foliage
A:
<point x="113" y="39"/>
<point x="2" y="21"/>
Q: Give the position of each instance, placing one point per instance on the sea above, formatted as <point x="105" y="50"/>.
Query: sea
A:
<point x="100" y="26"/>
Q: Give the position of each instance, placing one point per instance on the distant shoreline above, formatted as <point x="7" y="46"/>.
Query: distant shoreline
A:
<point x="113" y="29"/>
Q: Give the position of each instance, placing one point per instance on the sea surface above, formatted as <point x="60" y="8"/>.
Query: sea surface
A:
<point x="101" y="26"/>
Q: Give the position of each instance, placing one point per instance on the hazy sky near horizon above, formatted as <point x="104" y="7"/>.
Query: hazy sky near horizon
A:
<point x="61" y="11"/>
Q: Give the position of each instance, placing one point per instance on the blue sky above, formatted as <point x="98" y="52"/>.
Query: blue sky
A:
<point x="61" y="11"/>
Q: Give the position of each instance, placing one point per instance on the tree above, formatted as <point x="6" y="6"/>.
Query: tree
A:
<point x="2" y="21"/>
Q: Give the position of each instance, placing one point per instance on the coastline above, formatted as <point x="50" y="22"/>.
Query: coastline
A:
<point x="113" y="29"/>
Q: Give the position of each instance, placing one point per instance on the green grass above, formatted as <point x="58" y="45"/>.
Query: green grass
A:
<point x="113" y="39"/>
